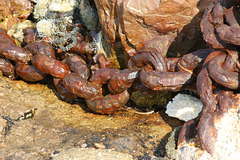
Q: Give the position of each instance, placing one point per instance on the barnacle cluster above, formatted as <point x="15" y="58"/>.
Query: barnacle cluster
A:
<point x="60" y="20"/>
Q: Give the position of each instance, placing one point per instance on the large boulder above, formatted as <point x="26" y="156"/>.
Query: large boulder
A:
<point x="171" y="26"/>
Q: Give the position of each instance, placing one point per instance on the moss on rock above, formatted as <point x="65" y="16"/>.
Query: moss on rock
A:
<point x="149" y="99"/>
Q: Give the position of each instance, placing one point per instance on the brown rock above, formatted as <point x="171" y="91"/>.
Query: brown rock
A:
<point x="14" y="11"/>
<point x="91" y="154"/>
<point x="135" y="22"/>
<point x="35" y="124"/>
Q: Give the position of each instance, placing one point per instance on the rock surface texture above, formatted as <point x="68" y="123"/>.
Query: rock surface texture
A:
<point x="14" y="11"/>
<point x="171" y="26"/>
<point x="35" y="124"/>
<point x="219" y="134"/>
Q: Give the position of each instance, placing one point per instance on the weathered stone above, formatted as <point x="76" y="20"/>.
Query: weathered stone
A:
<point x="14" y="11"/>
<point x="184" y="107"/>
<point x="91" y="154"/>
<point x="171" y="23"/>
<point x="35" y="124"/>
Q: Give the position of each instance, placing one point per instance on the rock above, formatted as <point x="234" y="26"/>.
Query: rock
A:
<point x="91" y="154"/>
<point x="17" y="30"/>
<point x="38" y="125"/>
<point x="172" y="144"/>
<point x="217" y="132"/>
<point x="55" y="17"/>
<point x="3" y="124"/>
<point x="42" y="8"/>
<point x="99" y="145"/>
<point x="89" y="15"/>
<point x="171" y="23"/>
<point x="159" y="98"/>
<point x="14" y="11"/>
<point x="184" y="107"/>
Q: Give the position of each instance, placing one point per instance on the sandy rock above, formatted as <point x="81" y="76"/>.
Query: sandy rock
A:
<point x="91" y="154"/>
<point x="14" y="11"/>
<point x="3" y="123"/>
<point x="56" y="126"/>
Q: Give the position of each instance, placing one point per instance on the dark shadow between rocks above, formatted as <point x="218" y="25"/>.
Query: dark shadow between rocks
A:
<point x="160" y="151"/>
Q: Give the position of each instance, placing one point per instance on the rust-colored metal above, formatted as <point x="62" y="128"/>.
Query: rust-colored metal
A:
<point x="78" y="65"/>
<point x="229" y="79"/>
<point x="29" y="72"/>
<point x="220" y="24"/>
<point x="63" y="91"/>
<point x="204" y="84"/>
<point x="109" y="103"/>
<point x="171" y="81"/>
<point x="103" y="75"/>
<point x="41" y="48"/>
<point x="30" y="35"/>
<point x="6" y="38"/>
<point x="208" y="30"/>
<point x="50" y="66"/>
<point x="102" y="61"/>
<point x="206" y="128"/>
<point x="82" y="47"/>
<point x="81" y="87"/>
<point x="192" y="61"/>
<point x="188" y="131"/>
<point x="30" y="38"/>
<point x="148" y="56"/>
<point x="13" y="52"/>
<point x="122" y="81"/>
<point x="7" y="68"/>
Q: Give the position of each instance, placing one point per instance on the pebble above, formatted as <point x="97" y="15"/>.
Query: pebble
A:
<point x="99" y="145"/>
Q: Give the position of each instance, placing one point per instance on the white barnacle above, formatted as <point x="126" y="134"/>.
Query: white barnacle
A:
<point x="62" y="5"/>
<point x="45" y="28"/>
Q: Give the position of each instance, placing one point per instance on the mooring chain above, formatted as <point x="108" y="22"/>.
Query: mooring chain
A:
<point x="72" y="75"/>
<point x="105" y="88"/>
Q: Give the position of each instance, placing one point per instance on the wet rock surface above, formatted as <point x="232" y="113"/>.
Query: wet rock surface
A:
<point x="35" y="124"/>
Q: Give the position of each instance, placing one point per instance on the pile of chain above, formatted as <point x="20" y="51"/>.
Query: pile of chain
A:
<point x="71" y="74"/>
<point x="218" y="80"/>
<point x="149" y="69"/>
<point x="79" y="73"/>
<point x="74" y="78"/>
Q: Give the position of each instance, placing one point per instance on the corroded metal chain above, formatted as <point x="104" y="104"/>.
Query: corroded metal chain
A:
<point x="219" y="76"/>
<point x="155" y="72"/>
<point x="215" y="71"/>
<point x="72" y="75"/>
